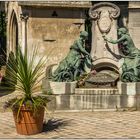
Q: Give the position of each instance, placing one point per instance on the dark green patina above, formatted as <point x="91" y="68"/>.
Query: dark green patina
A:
<point x="75" y="62"/>
<point x="131" y="55"/>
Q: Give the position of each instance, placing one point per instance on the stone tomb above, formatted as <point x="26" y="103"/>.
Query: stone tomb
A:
<point x="124" y="95"/>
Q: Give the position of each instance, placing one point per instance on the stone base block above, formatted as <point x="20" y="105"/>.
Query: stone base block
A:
<point x="62" y="87"/>
<point x="86" y="102"/>
<point x="129" y="88"/>
<point x="127" y="95"/>
<point x="131" y="93"/>
<point x="99" y="91"/>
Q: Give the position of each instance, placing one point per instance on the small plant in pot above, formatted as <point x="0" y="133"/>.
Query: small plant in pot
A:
<point x="28" y="108"/>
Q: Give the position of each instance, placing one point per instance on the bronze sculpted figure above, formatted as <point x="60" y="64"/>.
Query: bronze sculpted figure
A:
<point x="74" y="63"/>
<point x="131" y="55"/>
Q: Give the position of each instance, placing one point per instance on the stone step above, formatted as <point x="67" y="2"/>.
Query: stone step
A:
<point x="125" y="95"/>
<point x="99" y="91"/>
<point x="87" y="102"/>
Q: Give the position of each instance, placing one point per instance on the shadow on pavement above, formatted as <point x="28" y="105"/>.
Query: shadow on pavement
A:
<point x="53" y="124"/>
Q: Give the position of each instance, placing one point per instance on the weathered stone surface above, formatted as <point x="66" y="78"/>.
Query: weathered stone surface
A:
<point x="81" y="4"/>
<point x="57" y="88"/>
<point x="104" y="20"/>
<point x="134" y="22"/>
<point x="13" y="14"/>
<point x="127" y="95"/>
<point x="134" y="4"/>
<point x="86" y="102"/>
<point x="51" y="32"/>
<point x="62" y="87"/>
<point x="88" y="99"/>
<point x="97" y="91"/>
<point x="54" y="34"/>
<point x="129" y="88"/>
<point x="131" y="93"/>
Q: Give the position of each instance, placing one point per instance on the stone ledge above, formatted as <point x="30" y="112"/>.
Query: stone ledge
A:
<point x="85" y="102"/>
<point x="67" y="4"/>
<point x="134" y="4"/>
<point x="62" y="87"/>
<point x="107" y="91"/>
<point x="129" y="88"/>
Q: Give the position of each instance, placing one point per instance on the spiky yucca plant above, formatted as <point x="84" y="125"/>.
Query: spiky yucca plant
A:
<point x="24" y="74"/>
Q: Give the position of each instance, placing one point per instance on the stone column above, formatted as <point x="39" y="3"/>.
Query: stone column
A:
<point x="104" y="21"/>
<point x="24" y="18"/>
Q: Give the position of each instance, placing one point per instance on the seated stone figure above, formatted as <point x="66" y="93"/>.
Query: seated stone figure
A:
<point x="131" y="55"/>
<point x="74" y="63"/>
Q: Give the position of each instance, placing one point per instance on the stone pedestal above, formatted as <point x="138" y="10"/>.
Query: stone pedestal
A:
<point x="62" y="87"/>
<point x="88" y="100"/>
<point x="126" y="96"/>
<point x="130" y="93"/>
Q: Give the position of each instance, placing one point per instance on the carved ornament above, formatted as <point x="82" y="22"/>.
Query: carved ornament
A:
<point x="104" y="16"/>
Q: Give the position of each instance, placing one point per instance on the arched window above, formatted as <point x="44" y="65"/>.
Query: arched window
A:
<point x="13" y="34"/>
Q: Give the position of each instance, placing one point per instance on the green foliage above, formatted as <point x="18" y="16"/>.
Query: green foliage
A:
<point x="2" y="37"/>
<point x="2" y="24"/>
<point x="27" y="71"/>
<point x="9" y="80"/>
<point x="39" y="101"/>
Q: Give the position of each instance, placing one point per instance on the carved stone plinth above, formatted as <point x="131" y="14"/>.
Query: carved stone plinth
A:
<point x="130" y="92"/>
<point x="62" y="87"/>
<point x="104" y="21"/>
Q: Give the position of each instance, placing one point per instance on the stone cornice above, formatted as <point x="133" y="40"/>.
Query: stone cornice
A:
<point x="134" y="5"/>
<point x="65" y="4"/>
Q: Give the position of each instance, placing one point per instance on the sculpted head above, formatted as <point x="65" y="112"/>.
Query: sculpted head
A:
<point x="84" y="34"/>
<point x="122" y="31"/>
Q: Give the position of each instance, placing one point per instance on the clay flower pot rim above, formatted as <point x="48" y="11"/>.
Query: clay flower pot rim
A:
<point x="24" y="107"/>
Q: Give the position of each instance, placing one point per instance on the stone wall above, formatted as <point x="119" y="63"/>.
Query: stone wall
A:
<point x="134" y="22"/>
<point x="80" y="4"/>
<point x="53" y="30"/>
<point x="12" y="8"/>
<point x="51" y="26"/>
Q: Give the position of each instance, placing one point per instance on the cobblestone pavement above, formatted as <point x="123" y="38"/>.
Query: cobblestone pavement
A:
<point x="80" y="125"/>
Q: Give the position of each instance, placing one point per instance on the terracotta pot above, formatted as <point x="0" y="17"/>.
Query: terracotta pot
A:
<point x="28" y="121"/>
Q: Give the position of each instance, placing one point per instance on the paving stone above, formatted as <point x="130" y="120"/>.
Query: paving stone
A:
<point x="80" y="125"/>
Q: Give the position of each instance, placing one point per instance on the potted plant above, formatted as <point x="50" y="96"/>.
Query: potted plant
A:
<point x="24" y="74"/>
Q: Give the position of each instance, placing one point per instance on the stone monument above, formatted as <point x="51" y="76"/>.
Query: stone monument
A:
<point x="100" y="92"/>
<point x="105" y="58"/>
<point x="104" y="21"/>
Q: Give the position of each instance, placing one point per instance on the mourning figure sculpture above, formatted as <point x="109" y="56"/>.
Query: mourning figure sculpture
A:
<point x="74" y="64"/>
<point x="131" y="55"/>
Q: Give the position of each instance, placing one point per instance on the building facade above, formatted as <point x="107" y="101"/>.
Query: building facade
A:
<point x="51" y="26"/>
